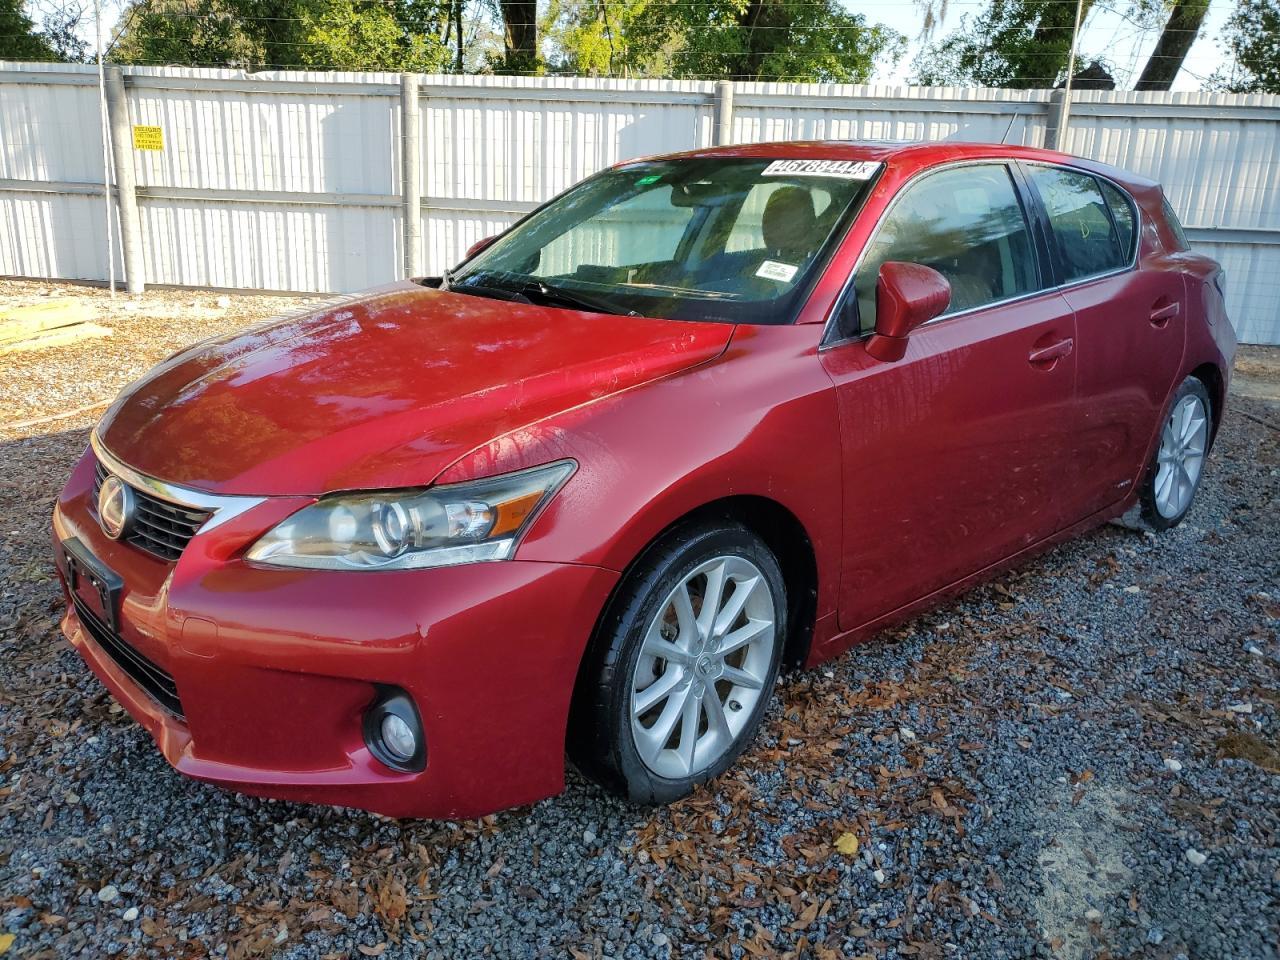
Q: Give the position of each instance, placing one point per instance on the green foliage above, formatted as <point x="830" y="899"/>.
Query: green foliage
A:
<point x="302" y="34"/>
<point x="799" y="40"/>
<point x="1013" y="43"/>
<point x="1252" y="39"/>
<point x="19" y="39"/>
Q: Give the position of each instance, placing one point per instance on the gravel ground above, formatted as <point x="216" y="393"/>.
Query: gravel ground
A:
<point x="1081" y="759"/>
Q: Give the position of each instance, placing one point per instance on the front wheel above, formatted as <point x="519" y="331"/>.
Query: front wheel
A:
<point x="683" y="665"/>
<point x="1173" y="477"/>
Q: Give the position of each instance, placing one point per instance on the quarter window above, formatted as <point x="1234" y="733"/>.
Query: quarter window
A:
<point x="1176" y="226"/>
<point x="1122" y="214"/>
<point x="1087" y="241"/>
<point x="966" y="223"/>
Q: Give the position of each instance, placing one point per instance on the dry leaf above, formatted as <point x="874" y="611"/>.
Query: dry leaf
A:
<point x="847" y="844"/>
<point x="372" y="951"/>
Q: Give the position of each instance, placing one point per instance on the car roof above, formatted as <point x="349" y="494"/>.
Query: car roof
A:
<point x="914" y="154"/>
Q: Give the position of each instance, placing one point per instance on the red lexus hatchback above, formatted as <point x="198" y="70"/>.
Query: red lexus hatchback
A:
<point x="696" y="419"/>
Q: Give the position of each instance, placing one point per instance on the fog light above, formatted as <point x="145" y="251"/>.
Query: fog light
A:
<point x="393" y="731"/>
<point x="398" y="738"/>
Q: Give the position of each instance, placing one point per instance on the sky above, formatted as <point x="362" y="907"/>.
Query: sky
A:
<point x="1105" y="33"/>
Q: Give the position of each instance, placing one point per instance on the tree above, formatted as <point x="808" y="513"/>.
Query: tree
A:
<point x="1179" y="33"/>
<point x="19" y="39"/>
<point x="1013" y="43"/>
<point x="258" y="34"/>
<point x="520" y="22"/>
<point x="1252" y="39"/>
<point x="803" y="40"/>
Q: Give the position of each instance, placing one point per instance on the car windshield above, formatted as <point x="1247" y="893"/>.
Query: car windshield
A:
<point x="729" y="240"/>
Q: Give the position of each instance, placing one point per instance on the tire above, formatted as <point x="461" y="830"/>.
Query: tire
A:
<point x="1179" y="458"/>
<point x="625" y="670"/>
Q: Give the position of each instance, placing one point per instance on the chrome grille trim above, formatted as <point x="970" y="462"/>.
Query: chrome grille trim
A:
<point x="168" y="515"/>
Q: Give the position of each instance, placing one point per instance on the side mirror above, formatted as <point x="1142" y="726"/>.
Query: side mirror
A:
<point x="479" y="245"/>
<point x="907" y="295"/>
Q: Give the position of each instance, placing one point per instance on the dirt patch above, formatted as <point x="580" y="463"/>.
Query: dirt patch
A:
<point x="1257" y="373"/>
<point x="79" y="379"/>
<point x="1243" y="745"/>
<point x="1082" y="867"/>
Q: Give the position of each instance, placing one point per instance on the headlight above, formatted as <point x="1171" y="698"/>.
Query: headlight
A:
<point x="411" y="529"/>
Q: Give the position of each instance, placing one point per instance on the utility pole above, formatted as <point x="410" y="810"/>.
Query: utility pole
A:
<point x="1064" y="116"/>
<point x="105" y="125"/>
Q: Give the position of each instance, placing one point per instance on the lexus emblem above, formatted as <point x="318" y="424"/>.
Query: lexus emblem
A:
<point x="115" y="507"/>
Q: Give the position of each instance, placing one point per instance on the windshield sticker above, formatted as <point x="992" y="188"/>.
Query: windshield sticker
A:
<point x="651" y="178"/>
<point x="840" y="169"/>
<point x="773" y="270"/>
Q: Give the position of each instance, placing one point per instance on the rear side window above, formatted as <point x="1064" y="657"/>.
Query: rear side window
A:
<point x="1176" y="226"/>
<point x="967" y="224"/>
<point x="1122" y="213"/>
<point x="1087" y="240"/>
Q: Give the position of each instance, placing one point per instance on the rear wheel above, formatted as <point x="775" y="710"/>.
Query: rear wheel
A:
<point x="683" y="664"/>
<point x="1173" y="476"/>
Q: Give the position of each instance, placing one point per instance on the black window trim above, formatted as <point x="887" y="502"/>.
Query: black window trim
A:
<point x="1051" y="239"/>
<point x="1032" y="211"/>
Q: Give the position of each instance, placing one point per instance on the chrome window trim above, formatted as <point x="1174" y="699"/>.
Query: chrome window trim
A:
<point x="222" y="507"/>
<point x="825" y="344"/>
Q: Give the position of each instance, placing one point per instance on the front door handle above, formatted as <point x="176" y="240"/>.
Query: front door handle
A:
<point x="1048" y="356"/>
<point x="1161" y="314"/>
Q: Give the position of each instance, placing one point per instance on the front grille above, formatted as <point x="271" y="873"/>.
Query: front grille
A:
<point x="150" y="677"/>
<point x="159" y="527"/>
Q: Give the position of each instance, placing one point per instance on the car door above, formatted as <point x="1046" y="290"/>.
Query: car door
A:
<point x="952" y="455"/>
<point x="1130" y="327"/>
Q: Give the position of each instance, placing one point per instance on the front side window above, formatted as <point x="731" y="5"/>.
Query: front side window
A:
<point x="966" y="223"/>
<point x="732" y="240"/>
<point x="1086" y="238"/>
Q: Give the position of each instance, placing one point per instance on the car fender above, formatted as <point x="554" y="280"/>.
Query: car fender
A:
<point x="760" y="421"/>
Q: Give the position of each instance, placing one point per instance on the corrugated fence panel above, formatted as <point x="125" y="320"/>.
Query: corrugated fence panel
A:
<point x="260" y="246"/>
<point x="51" y="133"/>
<point x="522" y="140"/>
<point x="801" y="111"/>
<point x="254" y="139"/>
<point x="1253" y="287"/>
<point x="1217" y="156"/>
<point x="292" y="180"/>
<point x="52" y="235"/>
<point x="1218" y="167"/>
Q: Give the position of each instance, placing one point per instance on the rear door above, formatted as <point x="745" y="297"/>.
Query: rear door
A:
<point x="952" y="455"/>
<point x="1130" y="327"/>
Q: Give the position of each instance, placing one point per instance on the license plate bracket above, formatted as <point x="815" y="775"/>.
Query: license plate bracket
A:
<point x="91" y="579"/>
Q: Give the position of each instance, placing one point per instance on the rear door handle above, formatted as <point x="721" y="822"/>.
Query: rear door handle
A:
<point x="1162" y="314"/>
<point x="1048" y="356"/>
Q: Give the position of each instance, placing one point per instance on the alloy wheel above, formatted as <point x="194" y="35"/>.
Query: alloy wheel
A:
<point x="702" y="667"/>
<point x="1181" y="458"/>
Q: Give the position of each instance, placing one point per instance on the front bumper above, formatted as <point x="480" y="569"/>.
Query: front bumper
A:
<point x="275" y="668"/>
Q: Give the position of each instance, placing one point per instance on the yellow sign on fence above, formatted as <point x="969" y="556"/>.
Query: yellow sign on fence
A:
<point x="148" y="138"/>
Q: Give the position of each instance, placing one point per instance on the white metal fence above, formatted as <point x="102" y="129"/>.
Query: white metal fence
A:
<point x="296" y="181"/>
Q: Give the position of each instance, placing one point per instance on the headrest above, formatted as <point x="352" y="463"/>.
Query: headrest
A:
<point x="790" y="224"/>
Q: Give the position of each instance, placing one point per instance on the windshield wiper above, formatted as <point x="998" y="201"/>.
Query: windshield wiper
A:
<point x="540" y="289"/>
<point x="485" y="290"/>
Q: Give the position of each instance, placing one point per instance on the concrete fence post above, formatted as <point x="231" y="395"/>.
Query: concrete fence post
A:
<point x="1055" y="134"/>
<point x="723" y="99"/>
<point x="126" y="181"/>
<point x="411" y="172"/>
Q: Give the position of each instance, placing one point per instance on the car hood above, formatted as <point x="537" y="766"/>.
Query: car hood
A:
<point x="382" y="391"/>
